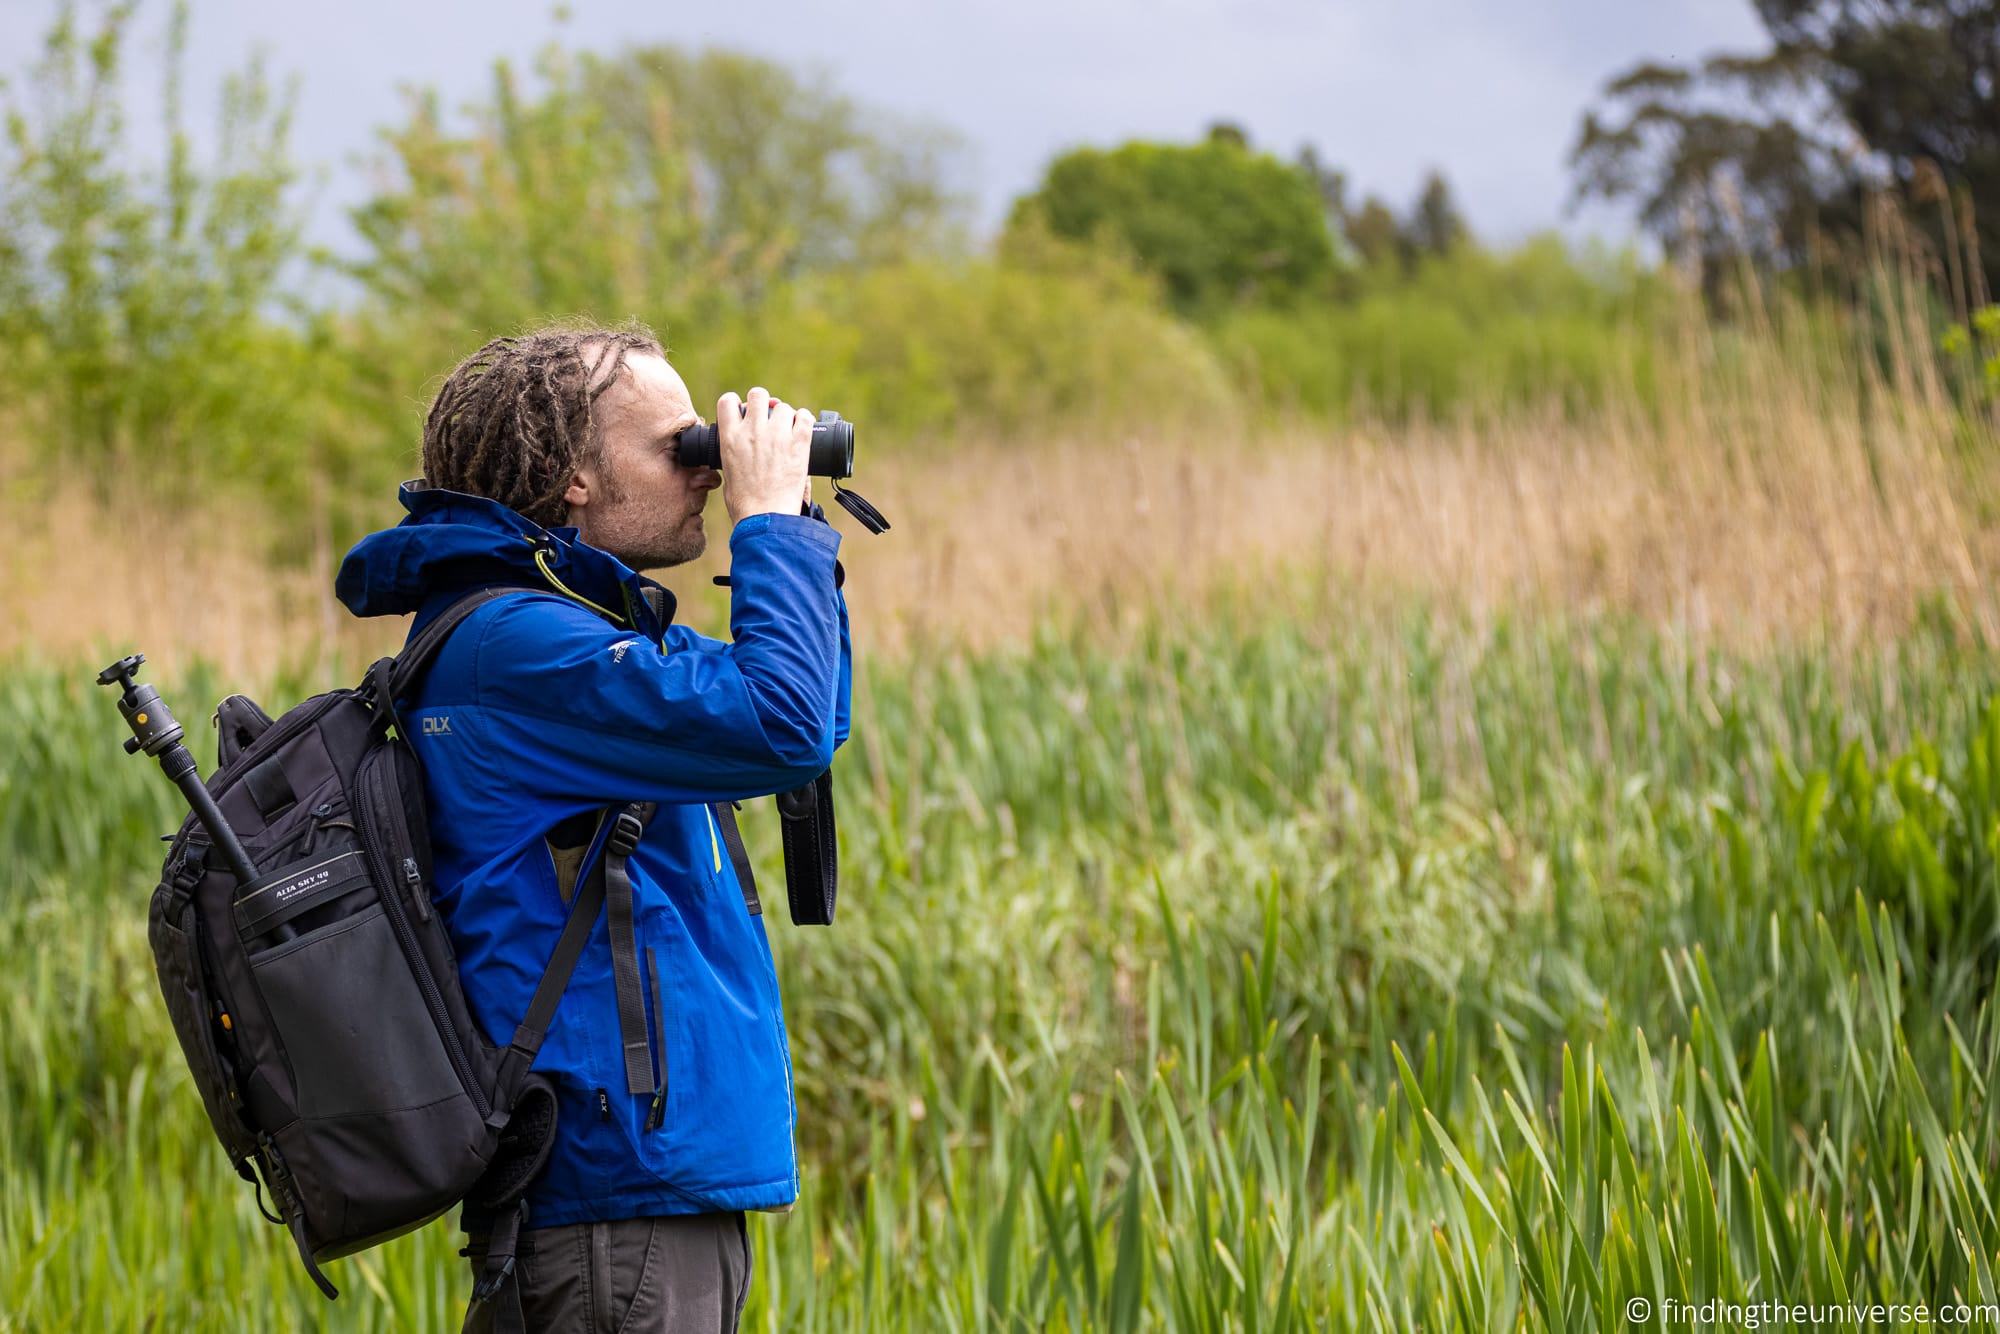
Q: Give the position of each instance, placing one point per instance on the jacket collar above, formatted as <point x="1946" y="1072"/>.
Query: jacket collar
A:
<point x="451" y="542"/>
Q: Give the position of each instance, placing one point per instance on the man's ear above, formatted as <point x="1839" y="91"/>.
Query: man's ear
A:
<point x="578" y="494"/>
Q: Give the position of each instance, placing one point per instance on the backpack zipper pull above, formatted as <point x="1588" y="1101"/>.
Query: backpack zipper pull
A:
<point x="657" y="1112"/>
<point x="309" y="844"/>
<point x="415" y="880"/>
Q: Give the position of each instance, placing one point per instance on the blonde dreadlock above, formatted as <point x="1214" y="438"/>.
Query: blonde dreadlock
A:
<point x="516" y="419"/>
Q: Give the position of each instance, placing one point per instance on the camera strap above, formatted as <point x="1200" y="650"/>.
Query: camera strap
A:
<point x="812" y="857"/>
<point x="812" y="854"/>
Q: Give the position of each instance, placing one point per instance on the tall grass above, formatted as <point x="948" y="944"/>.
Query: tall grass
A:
<point x="1249" y="976"/>
<point x="1774" y="488"/>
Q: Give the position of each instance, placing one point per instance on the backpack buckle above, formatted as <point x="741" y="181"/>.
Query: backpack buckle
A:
<point x="493" y="1278"/>
<point x="625" y="834"/>
<point x="501" y="1244"/>
<point x="278" y="1175"/>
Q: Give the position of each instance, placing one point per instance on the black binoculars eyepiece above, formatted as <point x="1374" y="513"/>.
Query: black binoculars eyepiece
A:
<point x="832" y="447"/>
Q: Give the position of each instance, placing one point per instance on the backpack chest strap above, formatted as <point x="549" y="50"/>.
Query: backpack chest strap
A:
<point x="592" y="896"/>
<point x="625" y="832"/>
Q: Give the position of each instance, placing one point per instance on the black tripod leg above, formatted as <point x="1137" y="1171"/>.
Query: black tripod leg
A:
<point x="179" y="765"/>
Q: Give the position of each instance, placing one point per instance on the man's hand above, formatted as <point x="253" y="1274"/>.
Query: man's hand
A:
<point x="765" y="446"/>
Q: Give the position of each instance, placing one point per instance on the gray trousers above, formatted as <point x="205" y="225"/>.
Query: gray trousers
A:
<point x="673" y="1275"/>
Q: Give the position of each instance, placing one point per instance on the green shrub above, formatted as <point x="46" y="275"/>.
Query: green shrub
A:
<point x="1218" y="223"/>
<point x="138" y="307"/>
<point x="1068" y="343"/>
<point x="1468" y="329"/>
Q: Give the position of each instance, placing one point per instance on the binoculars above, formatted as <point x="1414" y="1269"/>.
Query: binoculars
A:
<point x="832" y="447"/>
<point x="832" y="455"/>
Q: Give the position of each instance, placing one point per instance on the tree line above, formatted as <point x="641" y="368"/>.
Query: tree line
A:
<point x="1774" y="156"/>
<point x="774" y="229"/>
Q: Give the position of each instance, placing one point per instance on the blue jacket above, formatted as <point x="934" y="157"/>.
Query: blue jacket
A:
<point x="538" y="708"/>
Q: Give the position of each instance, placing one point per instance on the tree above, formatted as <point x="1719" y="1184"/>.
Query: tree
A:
<point x="134" y="300"/>
<point x="1329" y="183"/>
<point x="1436" y="226"/>
<point x="1373" y="233"/>
<point x="1218" y="222"/>
<point x="1758" y="154"/>
<point x="1376" y="235"/>
<point x="1229" y="132"/>
<point x="779" y="164"/>
<point x="656" y="183"/>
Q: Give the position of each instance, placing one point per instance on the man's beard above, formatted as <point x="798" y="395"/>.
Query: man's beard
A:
<point x="644" y="542"/>
<point x="642" y="539"/>
<point x="684" y="544"/>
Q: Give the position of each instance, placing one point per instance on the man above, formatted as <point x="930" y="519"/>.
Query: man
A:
<point x="549" y="466"/>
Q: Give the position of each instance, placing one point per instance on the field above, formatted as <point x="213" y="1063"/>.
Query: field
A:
<point x="1462" y="875"/>
<point x="1463" y="796"/>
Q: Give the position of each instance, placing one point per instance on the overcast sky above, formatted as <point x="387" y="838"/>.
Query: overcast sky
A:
<point x="1490" y="93"/>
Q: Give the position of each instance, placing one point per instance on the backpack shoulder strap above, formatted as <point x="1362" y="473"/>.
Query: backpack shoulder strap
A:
<point x="391" y="678"/>
<point x="417" y="655"/>
<point x="591" y="896"/>
<point x="497" y="1285"/>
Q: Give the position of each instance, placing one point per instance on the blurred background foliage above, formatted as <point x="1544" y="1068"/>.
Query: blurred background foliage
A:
<point x="1221" y="224"/>
<point x="146" y="307"/>
<point x="169" y="315"/>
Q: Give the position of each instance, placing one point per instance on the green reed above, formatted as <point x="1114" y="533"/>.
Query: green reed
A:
<point x="1244" y="977"/>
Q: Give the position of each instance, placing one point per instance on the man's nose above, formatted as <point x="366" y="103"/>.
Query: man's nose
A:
<point x="707" y="479"/>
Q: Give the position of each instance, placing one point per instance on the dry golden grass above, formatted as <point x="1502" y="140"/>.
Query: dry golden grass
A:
<point x="1761" y="528"/>
<point x="1746" y="532"/>
<point x="1781" y="502"/>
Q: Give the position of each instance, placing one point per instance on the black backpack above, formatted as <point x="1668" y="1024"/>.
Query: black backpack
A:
<point x="319" y="1006"/>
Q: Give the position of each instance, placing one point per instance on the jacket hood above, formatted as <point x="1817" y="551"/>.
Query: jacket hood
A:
<point x="451" y="542"/>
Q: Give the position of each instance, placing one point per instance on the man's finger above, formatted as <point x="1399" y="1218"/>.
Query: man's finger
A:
<point x="728" y="408"/>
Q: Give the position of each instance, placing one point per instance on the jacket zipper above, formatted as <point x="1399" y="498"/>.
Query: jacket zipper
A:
<point x="374" y="798"/>
<point x="657" y="1111"/>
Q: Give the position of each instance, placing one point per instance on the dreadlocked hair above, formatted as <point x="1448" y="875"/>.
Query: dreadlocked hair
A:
<point x="516" y="419"/>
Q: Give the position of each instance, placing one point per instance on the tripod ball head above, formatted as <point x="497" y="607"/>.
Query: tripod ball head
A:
<point x="155" y="731"/>
<point x="154" y="728"/>
<point x="122" y="671"/>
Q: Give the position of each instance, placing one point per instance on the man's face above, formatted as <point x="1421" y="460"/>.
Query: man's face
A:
<point x="637" y="502"/>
